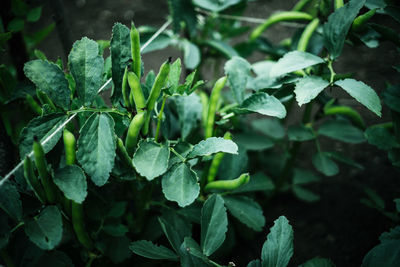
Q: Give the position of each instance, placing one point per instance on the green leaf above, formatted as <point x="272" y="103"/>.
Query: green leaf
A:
<point x="214" y="224"/>
<point x="215" y="6"/>
<point x="191" y="54"/>
<point x="362" y="93"/>
<point x="120" y="48"/>
<point x="10" y="201"/>
<point x="222" y="47"/>
<point x="323" y="163"/>
<point x="55" y="258"/>
<point x="72" y="182"/>
<point x="175" y="228"/>
<point x="318" y="262"/>
<point x="340" y="157"/>
<point x="149" y="250"/>
<point x="16" y="25"/>
<point x="160" y="42"/>
<point x="49" y="78"/>
<point x="341" y="130"/>
<point x="338" y="25"/>
<point x="308" y="88"/>
<point x="194" y="249"/>
<point x="386" y="254"/>
<point x="34" y="14"/>
<point x="253" y="141"/>
<point x="391" y="97"/>
<point x="191" y="254"/>
<point x="117" y="248"/>
<point x="300" y="133"/>
<point x="189" y="110"/>
<point x="264" y="104"/>
<point x="116" y="230"/>
<point x="151" y="159"/>
<point x="254" y="263"/>
<point x="258" y="182"/>
<point x="238" y="71"/>
<point x="292" y="61"/>
<point x="174" y="76"/>
<point x="213" y="145"/>
<point x="278" y="249"/>
<point x="180" y="184"/>
<point x="271" y="127"/>
<point x="41" y="127"/>
<point x="46" y="229"/>
<point x="96" y="147"/>
<point x="183" y="11"/>
<point x="246" y="210"/>
<point x="393" y="234"/>
<point x="305" y="194"/>
<point x="86" y="66"/>
<point x="381" y="138"/>
<point x="233" y="165"/>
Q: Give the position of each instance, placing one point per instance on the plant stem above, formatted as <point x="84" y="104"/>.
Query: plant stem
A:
<point x="159" y="117"/>
<point x="333" y="73"/>
<point x="177" y="154"/>
<point x="16" y="227"/>
<point x="108" y="110"/>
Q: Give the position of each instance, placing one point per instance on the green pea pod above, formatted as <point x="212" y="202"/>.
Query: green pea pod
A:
<point x="41" y="166"/>
<point x="122" y="153"/>
<point x="70" y="147"/>
<point x="79" y="226"/>
<point x="228" y="185"/>
<point x="133" y="132"/>
<point x="204" y="103"/>
<point x="352" y="114"/>
<point x="44" y="99"/>
<point x="300" y="5"/>
<point x="136" y="92"/>
<point x="306" y="35"/>
<point x="360" y="22"/>
<point x="212" y="173"/>
<point x="155" y="92"/>
<point x="33" y="104"/>
<point x="135" y="51"/>
<point x="33" y="181"/>
<point x="125" y="88"/>
<point x="212" y="106"/>
<point x="278" y="17"/>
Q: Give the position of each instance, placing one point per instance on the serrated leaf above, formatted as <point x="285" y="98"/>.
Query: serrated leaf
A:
<point x="264" y="104"/>
<point x="46" y="229"/>
<point x="341" y="130"/>
<point x="292" y="61"/>
<point x="213" y="145"/>
<point x="238" y="71"/>
<point x="175" y="228"/>
<point x="308" y="88"/>
<point x="318" y="262"/>
<point x="191" y="254"/>
<point x="86" y="66"/>
<point x="191" y="54"/>
<point x="120" y="47"/>
<point x="180" y="184"/>
<point x="336" y="28"/>
<point x="278" y="248"/>
<point x="189" y="110"/>
<point x="323" y="163"/>
<point x="393" y="234"/>
<point x="149" y="250"/>
<point x="49" y="78"/>
<point x="41" y="127"/>
<point x="214" y="224"/>
<point x="173" y="76"/>
<point x="300" y="133"/>
<point x="151" y="159"/>
<point x="72" y="182"/>
<point x="362" y="93"/>
<point x="246" y="210"/>
<point x="96" y="147"/>
<point x="386" y="254"/>
<point x="10" y="201"/>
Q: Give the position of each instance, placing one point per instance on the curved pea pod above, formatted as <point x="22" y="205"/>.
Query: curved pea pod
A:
<point x="228" y="185"/>
<point x="278" y="17"/>
<point x="135" y="51"/>
<point x="69" y="147"/>
<point x="204" y="102"/>
<point x="133" y="132"/>
<point x="213" y="104"/>
<point x="33" y="181"/>
<point x="306" y="35"/>
<point x="125" y="88"/>
<point x="352" y="114"/>
<point x="212" y="173"/>
<point x="122" y="153"/>
<point x="33" y="104"/>
<point x="360" y="22"/>
<point x="136" y="92"/>
<point x="155" y="92"/>
<point x="79" y="226"/>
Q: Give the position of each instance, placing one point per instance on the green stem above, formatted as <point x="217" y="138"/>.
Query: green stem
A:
<point x="300" y="5"/>
<point x="79" y="226"/>
<point x="92" y="257"/>
<point x="108" y="110"/>
<point x="177" y="154"/>
<point x="333" y="73"/>
<point x="159" y="117"/>
<point x="17" y="227"/>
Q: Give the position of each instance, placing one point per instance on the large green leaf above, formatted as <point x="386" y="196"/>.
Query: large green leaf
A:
<point x="386" y="254"/>
<point x="10" y="201"/>
<point x="175" y="228"/>
<point x="191" y="254"/>
<point x="318" y="262"/>
<point x="49" y="78"/>
<point x="308" y="88"/>
<point x="120" y="48"/>
<point x="253" y="141"/>
<point x="41" y="127"/>
<point x="86" y="66"/>
<point x="362" y="93"/>
<point x="278" y="249"/>
<point x="191" y="54"/>
<point x="213" y="145"/>
<point x="238" y="71"/>
<point x="391" y="97"/>
<point x="381" y="138"/>
<point x="292" y="61"/>
<point x="189" y="110"/>
<point x="214" y="224"/>
<point x="264" y="104"/>
<point x="246" y="210"/>
<point x="180" y="184"/>
<point x="96" y="147"/>
<point x="72" y="182"/>
<point x="45" y="230"/>
<point x="271" y="127"/>
<point x="149" y="250"/>
<point x="300" y="133"/>
<point x="254" y="263"/>
<point x="151" y="159"/>
<point x="341" y="130"/>
<point x="215" y="5"/>
<point x="323" y="163"/>
<point x="337" y="26"/>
